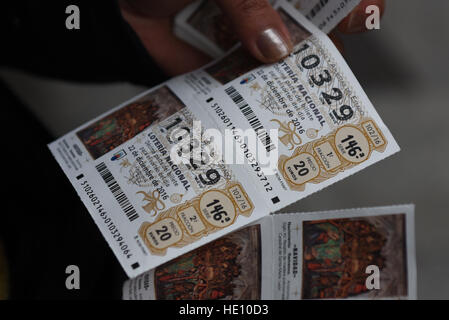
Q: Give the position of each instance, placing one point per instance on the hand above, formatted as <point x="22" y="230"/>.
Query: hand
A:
<point x="152" y="21"/>
<point x="255" y="22"/>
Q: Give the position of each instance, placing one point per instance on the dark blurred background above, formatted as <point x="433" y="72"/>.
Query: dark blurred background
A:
<point x="403" y="68"/>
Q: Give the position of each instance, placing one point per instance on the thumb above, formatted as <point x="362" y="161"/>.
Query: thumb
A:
<point x="259" y="27"/>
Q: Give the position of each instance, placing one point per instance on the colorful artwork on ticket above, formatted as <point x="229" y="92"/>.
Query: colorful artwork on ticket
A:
<point x="227" y="268"/>
<point x="336" y="253"/>
<point x="122" y="125"/>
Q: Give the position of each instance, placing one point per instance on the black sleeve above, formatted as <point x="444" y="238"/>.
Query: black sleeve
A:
<point x="105" y="48"/>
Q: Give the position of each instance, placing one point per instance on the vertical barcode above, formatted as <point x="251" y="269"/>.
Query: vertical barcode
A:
<point x="251" y="117"/>
<point x="317" y="8"/>
<point x="117" y="192"/>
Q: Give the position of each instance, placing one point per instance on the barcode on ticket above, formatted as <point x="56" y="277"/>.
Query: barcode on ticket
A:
<point x="117" y="191"/>
<point x="251" y="117"/>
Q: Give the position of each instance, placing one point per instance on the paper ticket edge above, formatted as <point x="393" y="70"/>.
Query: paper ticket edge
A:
<point x="340" y="61"/>
<point x="408" y="209"/>
<point x="94" y="217"/>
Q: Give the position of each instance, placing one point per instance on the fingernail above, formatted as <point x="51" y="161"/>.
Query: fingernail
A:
<point x="272" y="45"/>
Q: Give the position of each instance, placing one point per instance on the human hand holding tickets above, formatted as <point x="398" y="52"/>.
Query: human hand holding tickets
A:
<point x="255" y="22"/>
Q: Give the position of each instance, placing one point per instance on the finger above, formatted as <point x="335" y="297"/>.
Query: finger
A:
<point x="259" y="27"/>
<point x="173" y="55"/>
<point x="356" y="20"/>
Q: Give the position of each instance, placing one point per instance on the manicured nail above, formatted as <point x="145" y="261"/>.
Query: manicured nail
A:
<point x="272" y="45"/>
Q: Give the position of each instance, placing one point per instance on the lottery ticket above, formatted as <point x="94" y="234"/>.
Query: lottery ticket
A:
<point x="208" y="152"/>
<point x="364" y="253"/>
